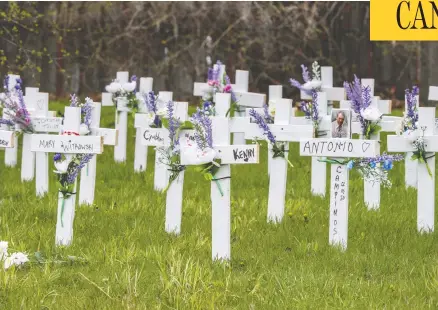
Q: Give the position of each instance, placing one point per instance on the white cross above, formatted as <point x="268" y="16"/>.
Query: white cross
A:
<point x="141" y="151"/>
<point x="372" y="190"/>
<point x="319" y="168"/>
<point x="68" y="145"/>
<point x="426" y="183"/>
<point x="283" y="132"/>
<point x="88" y="173"/>
<point x="228" y="154"/>
<point x="244" y="99"/>
<point x="7" y="139"/>
<point x="159" y="137"/>
<point x="38" y="106"/>
<point x="11" y="152"/>
<point x="161" y="174"/>
<point x="121" y="121"/>
<point x="338" y="148"/>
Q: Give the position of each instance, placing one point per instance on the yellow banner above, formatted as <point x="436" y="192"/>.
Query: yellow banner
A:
<point x="397" y="20"/>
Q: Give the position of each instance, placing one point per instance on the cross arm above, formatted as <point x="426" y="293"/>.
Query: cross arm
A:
<point x="110" y="136"/>
<point x="288" y="133"/>
<point x="47" y="124"/>
<point x="6" y="138"/>
<point x="433" y="93"/>
<point x="402" y="144"/>
<point x="350" y="148"/>
<point x="247" y="99"/>
<point x="67" y="144"/>
<point x="387" y="126"/>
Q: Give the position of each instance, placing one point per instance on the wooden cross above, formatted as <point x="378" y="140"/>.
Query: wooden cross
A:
<point x="68" y="145"/>
<point x="338" y="149"/>
<point x="88" y="173"/>
<point x="228" y="154"/>
<point x="141" y="120"/>
<point x="283" y="132"/>
<point x="426" y="182"/>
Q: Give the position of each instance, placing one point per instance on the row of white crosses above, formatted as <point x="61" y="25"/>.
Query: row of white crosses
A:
<point x="69" y="145"/>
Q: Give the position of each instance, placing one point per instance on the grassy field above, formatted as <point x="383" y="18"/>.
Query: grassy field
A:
<point x="125" y="260"/>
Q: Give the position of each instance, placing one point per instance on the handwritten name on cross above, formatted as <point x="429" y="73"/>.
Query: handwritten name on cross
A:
<point x="338" y="148"/>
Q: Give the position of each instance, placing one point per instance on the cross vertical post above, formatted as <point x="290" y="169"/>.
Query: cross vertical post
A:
<point x="141" y="151"/>
<point x="121" y="121"/>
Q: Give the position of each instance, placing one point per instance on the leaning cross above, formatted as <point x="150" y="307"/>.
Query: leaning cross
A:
<point x="68" y="145"/>
<point x="426" y="181"/>
<point x="337" y="149"/>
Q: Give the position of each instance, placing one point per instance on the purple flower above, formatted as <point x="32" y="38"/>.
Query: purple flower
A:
<point x="86" y="110"/>
<point x="382" y="158"/>
<point x="74" y="102"/>
<point x="411" y="104"/>
<point x="366" y="97"/>
<point x="354" y="94"/>
<point x="268" y="118"/>
<point x="306" y="77"/>
<point x="150" y="101"/>
<point x="6" y="83"/>
<point x="373" y="164"/>
<point x="133" y="78"/>
<point x="173" y="124"/>
<point x="315" y="116"/>
<point x="263" y="126"/>
<point x="57" y="157"/>
<point x="203" y="130"/>
<point x="7" y="122"/>
<point x="84" y="159"/>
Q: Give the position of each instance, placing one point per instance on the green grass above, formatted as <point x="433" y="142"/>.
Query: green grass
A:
<point x="131" y="263"/>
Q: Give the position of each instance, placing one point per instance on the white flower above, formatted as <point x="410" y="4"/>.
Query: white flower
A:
<point x="3" y="250"/>
<point x="271" y="107"/>
<point x="410" y="135"/>
<point x="61" y="166"/>
<point x="162" y="111"/>
<point x="114" y="87"/>
<point x="199" y="157"/>
<point x="208" y="59"/>
<point x="84" y="130"/>
<point x="16" y="259"/>
<point x="130" y="86"/>
<point x="313" y="84"/>
<point x="371" y="113"/>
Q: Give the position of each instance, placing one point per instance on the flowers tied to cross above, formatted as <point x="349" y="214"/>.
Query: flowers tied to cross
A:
<point x="278" y="148"/>
<point x="372" y="169"/>
<point x="86" y="109"/>
<point x="312" y="85"/>
<point x="217" y="83"/>
<point x="368" y="114"/>
<point x="125" y="90"/>
<point x="420" y="153"/>
<point x="15" y="259"/>
<point x="155" y="112"/>
<point x="409" y="121"/>
<point x="12" y="101"/>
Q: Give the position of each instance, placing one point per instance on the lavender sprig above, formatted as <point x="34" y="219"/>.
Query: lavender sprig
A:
<point x="305" y="71"/>
<point x="74" y="101"/>
<point x="262" y="125"/>
<point x="86" y="110"/>
<point x="7" y="122"/>
<point x="268" y="118"/>
<point x="151" y="102"/>
<point x="366" y="97"/>
<point x="354" y="94"/>
<point x="203" y="130"/>
<point x="411" y="105"/>
<point x="83" y="160"/>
